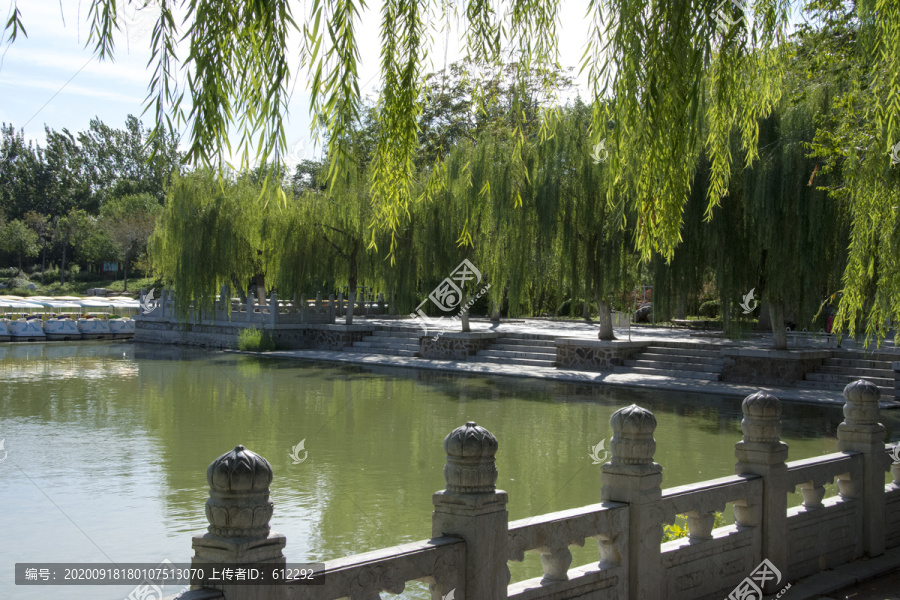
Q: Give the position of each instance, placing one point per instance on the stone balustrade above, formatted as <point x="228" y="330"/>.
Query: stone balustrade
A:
<point x="473" y="541"/>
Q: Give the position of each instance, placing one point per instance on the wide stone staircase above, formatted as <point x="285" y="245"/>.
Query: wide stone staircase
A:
<point x="677" y="359"/>
<point x="835" y="373"/>
<point x="531" y="350"/>
<point x="395" y="341"/>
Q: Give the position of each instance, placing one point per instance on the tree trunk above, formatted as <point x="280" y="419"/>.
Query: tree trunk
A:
<point x="586" y="310"/>
<point x="125" y="275"/>
<point x="43" y="264"/>
<point x="495" y="316"/>
<point x="776" y="315"/>
<point x="681" y="311"/>
<point x="348" y="319"/>
<point x="464" y="317"/>
<point x="351" y="281"/>
<point x="62" y="269"/>
<point x="606" y="326"/>
<point x="260" y="280"/>
<point x="20" y="264"/>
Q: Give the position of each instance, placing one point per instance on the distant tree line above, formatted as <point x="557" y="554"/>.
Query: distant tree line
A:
<point x="81" y="199"/>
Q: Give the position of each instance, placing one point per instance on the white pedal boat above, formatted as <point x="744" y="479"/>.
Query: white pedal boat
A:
<point x="26" y="330"/>
<point x="94" y="329"/>
<point x="61" y="328"/>
<point x="4" y="331"/>
<point x="121" y="328"/>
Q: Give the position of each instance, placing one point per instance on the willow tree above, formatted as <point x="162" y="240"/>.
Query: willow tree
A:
<point x="668" y="65"/>
<point x="214" y="232"/>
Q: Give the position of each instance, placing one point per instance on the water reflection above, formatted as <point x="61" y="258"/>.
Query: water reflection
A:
<point x="109" y="443"/>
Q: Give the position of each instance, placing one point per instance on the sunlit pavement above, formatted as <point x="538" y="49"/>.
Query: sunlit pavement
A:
<point x="577" y="329"/>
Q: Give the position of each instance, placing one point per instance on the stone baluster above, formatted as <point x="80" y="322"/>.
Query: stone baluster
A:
<point x="380" y="303"/>
<point x="633" y="477"/>
<point x="331" y="312"/>
<point x="239" y="511"/>
<point x="473" y="509"/>
<point x="318" y="302"/>
<point x="340" y="306"/>
<point x="861" y="432"/>
<point x="762" y="453"/>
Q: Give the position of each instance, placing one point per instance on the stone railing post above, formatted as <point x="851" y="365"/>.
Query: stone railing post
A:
<point x="473" y="509"/>
<point x="381" y="303"/>
<point x="861" y="432"/>
<point x="331" y="313"/>
<point x="762" y="453"/>
<point x="239" y="511"/>
<point x="632" y="477"/>
<point x="340" y="304"/>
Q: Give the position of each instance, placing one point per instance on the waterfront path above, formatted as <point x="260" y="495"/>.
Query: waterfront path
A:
<point x="575" y="329"/>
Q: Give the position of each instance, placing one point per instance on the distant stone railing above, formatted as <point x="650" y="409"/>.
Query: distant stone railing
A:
<point x="473" y="540"/>
<point x="273" y="312"/>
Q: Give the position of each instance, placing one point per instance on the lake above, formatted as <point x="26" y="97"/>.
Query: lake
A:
<point x="108" y="443"/>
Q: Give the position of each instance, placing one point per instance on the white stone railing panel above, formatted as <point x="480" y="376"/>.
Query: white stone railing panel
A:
<point x="590" y="581"/>
<point x="438" y="561"/>
<point x="811" y="475"/>
<point x="700" y="501"/>
<point x="823" y="537"/>
<point x="892" y="515"/>
<point x="694" y="569"/>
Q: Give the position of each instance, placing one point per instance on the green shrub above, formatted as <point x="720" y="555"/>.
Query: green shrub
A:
<point x="676" y="531"/>
<point x="709" y="309"/>
<point x="255" y="340"/>
<point x="574" y="308"/>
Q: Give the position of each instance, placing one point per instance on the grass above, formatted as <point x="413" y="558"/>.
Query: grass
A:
<point x="79" y="287"/>
<point x="677" y="531"/>
<point x="256" y="340"/>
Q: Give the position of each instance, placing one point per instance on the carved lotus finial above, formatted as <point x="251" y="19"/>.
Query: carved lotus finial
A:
<point x="861" y="406"/>
<point x="761" y="404"/>
<point x="238" y="504"/>
<point x="470" y="464"/>
<point x="239" y="470"/>
<point x="762" y="418"/>
<point x="633" y="420"/>
<point x="632" y="442"/>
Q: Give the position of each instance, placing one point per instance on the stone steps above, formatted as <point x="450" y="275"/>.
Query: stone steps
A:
<point x="686" y="360"/>
<point x="529" y="350"/>
<point x="493" y="352"/>
<point x="835" y="373"/>
<point x="682" y="351"/>
<point x="526" y="362"/>
<point x="673" y="366"/>
<point x="857" y="363"/>
<point x="389" y="340"/>
<point x="860" y="372"/>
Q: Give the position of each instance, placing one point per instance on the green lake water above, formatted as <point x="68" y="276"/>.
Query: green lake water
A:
<point x="107" y="446"/>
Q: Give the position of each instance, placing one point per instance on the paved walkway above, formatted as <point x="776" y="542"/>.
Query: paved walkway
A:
<point x="584" y="330"/>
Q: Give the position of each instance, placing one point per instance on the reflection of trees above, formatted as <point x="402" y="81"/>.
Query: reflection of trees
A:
<point x="374" y="439"/>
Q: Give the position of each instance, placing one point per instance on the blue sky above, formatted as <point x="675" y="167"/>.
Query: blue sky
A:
<point x="51" y="78"/>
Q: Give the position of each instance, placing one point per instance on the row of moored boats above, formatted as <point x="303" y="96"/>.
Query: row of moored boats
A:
<point x="39" y="318"/>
